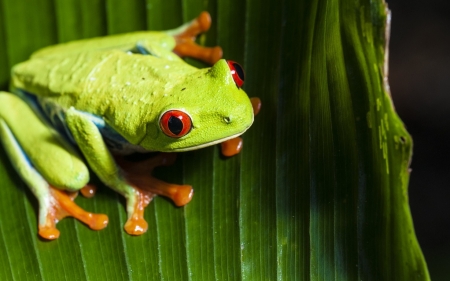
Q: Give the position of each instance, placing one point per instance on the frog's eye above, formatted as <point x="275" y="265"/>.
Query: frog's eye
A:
<point x="237" y="72"/>
<point x="175" y="123"/>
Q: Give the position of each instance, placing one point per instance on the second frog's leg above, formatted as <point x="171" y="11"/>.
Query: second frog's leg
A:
<point x="46" y="164"/>
<point x="185" y="37"/>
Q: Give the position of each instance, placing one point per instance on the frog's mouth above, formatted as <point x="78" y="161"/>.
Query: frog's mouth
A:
<point x="189" y="148"/>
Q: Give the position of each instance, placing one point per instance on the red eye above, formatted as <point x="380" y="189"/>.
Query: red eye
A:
<point x="237" y="72"/>
<point x="175" y="123"/>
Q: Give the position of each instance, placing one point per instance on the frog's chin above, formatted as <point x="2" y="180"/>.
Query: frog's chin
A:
<point x="189" y="148"/>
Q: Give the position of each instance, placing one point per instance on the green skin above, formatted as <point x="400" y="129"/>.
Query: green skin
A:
<point x="129" y="92"/>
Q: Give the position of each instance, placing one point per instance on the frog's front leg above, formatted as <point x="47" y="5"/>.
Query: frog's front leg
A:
<point x="134" y="182"/>
<point x="46" y="163"/>
<point x="139" y="174"/>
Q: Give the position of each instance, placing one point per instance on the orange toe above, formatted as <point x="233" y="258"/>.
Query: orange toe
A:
<point x="97" y="221"/>
<point x="89" y="190"/>
<point x="136" y="226"/>
<point x="180" y="194"/>
<point x="231" y="147"/>
<point x="256" y="104"/>
<point x="48" y="232"/>
<point x="204" y="22"/>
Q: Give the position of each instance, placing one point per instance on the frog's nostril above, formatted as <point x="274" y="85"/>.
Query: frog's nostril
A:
<point x="227" y="119"/>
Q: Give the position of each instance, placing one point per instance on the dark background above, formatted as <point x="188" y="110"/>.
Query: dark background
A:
<point x="420" y="85"/>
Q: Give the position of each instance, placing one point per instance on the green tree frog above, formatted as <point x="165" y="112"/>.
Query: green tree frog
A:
<point x="87" y="103"/>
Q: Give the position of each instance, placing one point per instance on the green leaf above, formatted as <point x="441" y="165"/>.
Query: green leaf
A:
<point x="318" y="193"/>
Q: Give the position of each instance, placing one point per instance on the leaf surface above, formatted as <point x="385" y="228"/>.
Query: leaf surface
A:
<point x="319" y="191"/>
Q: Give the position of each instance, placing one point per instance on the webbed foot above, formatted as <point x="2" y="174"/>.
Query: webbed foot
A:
<point x="186" y="46"/>
<point x="61" y="205"/>
<point x="138" y="175"/>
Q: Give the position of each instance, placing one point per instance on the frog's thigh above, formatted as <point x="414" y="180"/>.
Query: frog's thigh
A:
<point x="48" y="152"/>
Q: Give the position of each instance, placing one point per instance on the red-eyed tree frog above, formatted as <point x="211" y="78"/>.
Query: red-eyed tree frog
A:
<point x="87" y="103"/>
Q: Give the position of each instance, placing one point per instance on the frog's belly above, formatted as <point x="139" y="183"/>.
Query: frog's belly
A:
<point x="55" y="115"/>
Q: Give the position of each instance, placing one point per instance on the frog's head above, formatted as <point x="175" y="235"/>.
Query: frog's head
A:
<point x="206" y="108"/>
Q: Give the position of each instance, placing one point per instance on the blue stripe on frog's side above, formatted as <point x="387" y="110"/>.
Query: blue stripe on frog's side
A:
<point x="55" y="115"/>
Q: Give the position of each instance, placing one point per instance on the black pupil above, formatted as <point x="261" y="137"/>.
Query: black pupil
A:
<point x="239" y="71"/>
<point x="175" y="125"/>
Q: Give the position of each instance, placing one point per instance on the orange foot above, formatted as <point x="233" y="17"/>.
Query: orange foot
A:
<point x="138" y="175"/>
<point x="232" y="147"/>
<point x="186" y="46"/>
<point x="61" y="206"/>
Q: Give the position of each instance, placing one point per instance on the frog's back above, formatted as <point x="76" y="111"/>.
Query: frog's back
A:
<point x="85" y="74"/>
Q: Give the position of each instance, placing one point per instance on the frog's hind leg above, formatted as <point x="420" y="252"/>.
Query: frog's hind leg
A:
<point x="185" y="40"/>
<point x="40" y="157"/>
